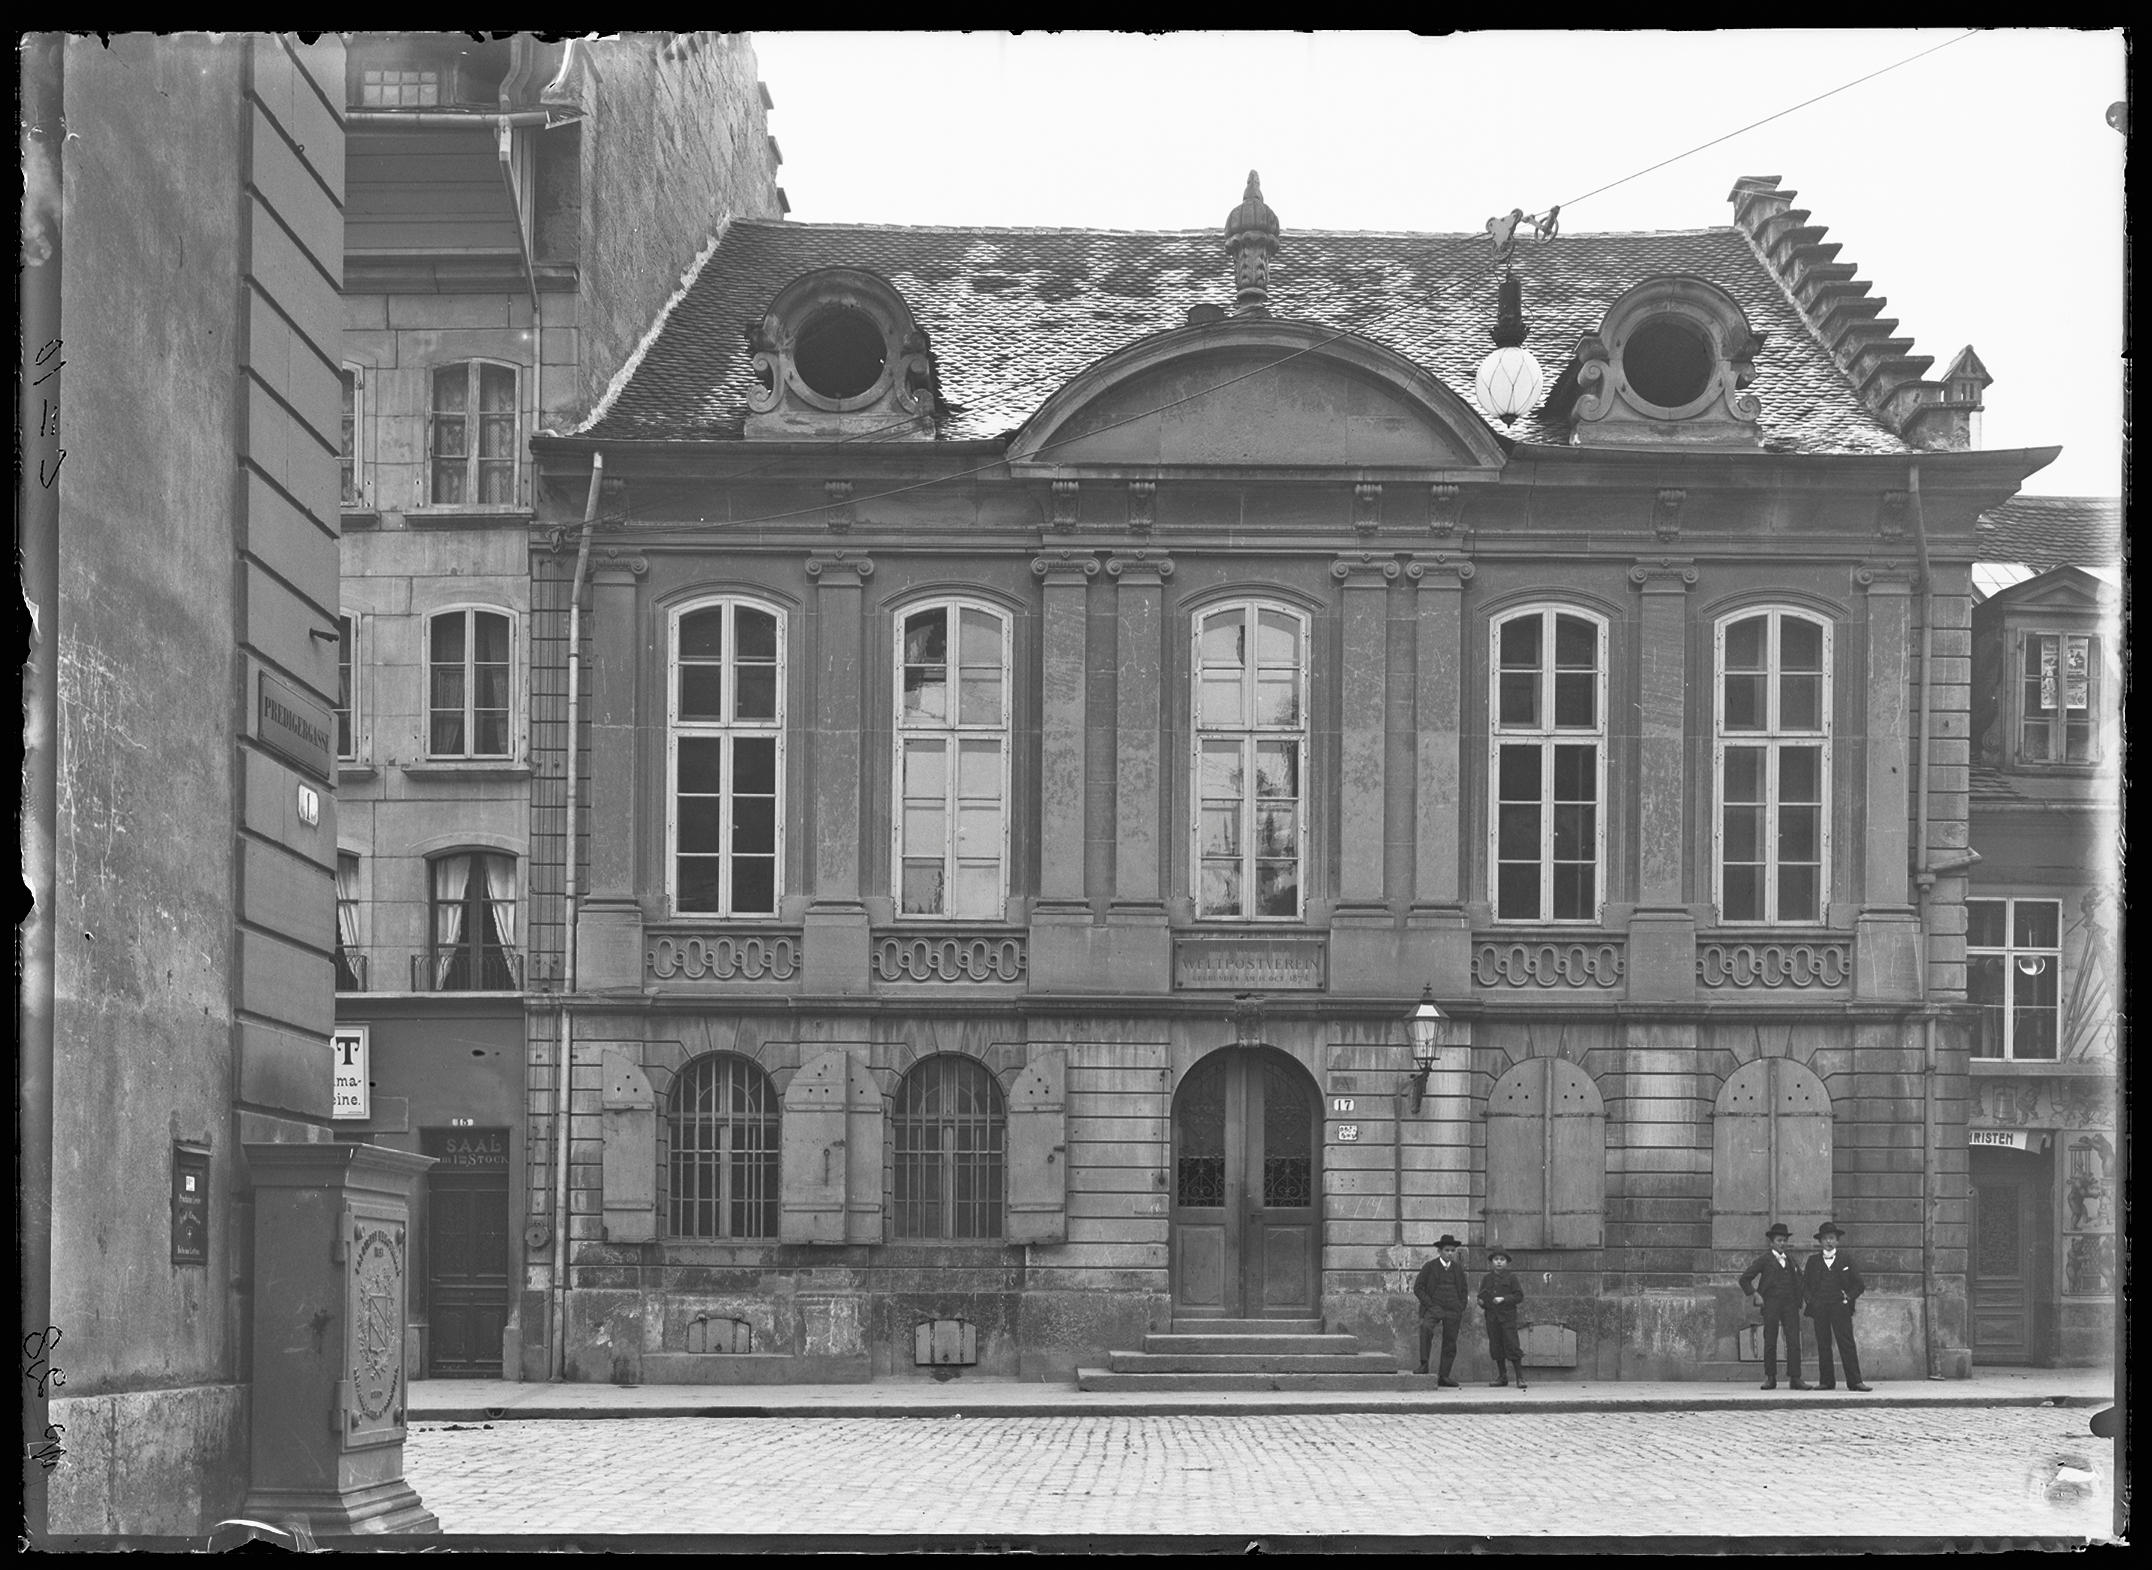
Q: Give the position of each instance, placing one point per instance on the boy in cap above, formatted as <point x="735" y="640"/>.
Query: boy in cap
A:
<point x="1773" y="1283"/>
<point x="1830" y="1286"/>
<point x="1440" y="1287"/>
<point x="1499" y="1295"/>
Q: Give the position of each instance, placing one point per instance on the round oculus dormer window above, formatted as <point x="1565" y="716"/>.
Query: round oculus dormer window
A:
<point x="840" y="352"/>
<point x="1668" y="362"/>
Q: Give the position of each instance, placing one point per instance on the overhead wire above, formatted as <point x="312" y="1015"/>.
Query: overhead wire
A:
<point x="1374" y="318"/>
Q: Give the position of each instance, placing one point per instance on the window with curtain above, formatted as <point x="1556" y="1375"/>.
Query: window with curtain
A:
<point x="1772" y="765"/>
<point x="469" y="670"/>
<point x="350" y="953"/>
<point x="952" y="764"/>
<point x="950" y="1129"/>
<point x="1251" y="742"/>
<point x="726" y="758"/>
<point x="471" y="442"/>
<point x="2013" y="974"/>
<point x="723" y="1161"/>
<point x="1547" y="837"/>
<point x="474" y="923"/>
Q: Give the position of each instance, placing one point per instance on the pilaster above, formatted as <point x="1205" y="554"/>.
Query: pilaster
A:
<point x="1366" y="949"/>
<point x="1141" y="943"/>
<point x="1662" y="931"/>
<point x="1437" y="919"/>
<point x="1061" y="929"/>
<point x="609" y="922"/>
<point x="834" y="941"/>
<point x="1886" y="932"/>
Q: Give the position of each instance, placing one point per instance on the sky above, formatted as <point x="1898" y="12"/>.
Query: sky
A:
<point x="1979" y="188"/>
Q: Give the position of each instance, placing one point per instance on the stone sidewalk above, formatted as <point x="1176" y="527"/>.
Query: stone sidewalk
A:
<point x="492" y="1400"/>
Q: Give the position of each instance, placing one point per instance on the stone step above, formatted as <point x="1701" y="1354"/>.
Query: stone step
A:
<point x="1251" y="1346"/>
<point x="1107" y="1379"/>
<point x="1268" y="1363"/>
<point x="1245" y="1327"/>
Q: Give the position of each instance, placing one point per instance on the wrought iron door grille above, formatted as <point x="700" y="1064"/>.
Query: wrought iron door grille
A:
<point x="724" y="1150"/>
<point x="949" y="1168"/>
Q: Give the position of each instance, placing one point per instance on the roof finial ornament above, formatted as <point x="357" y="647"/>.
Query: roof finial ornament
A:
<point x="1251" y="239"/>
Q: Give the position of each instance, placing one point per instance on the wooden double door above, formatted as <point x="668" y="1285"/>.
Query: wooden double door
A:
<point x="2011" y="1264"/>
<point x="1247" y="1188"/>
<point x="467" y="1252"/>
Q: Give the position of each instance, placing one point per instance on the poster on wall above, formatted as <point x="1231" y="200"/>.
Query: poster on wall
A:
<point x="350" y="1096"/>
<point x="2088" y="1215"/>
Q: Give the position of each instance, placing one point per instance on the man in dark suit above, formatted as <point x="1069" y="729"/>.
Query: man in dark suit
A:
<point x="1830" y="1285"/>
<point x="1773" y="1283"/>
<point x="1440" y="1287"/>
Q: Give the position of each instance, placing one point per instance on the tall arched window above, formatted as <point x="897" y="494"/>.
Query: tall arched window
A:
<point x="721" y="1122"/>
<point x="726" y="740"/>
<point x="1772" y="740"/>
<point x="1546" y="835"/>
<point x="950" y="826"/>
<point x="1251" y="748"/>
<point x="950" y="1132"/>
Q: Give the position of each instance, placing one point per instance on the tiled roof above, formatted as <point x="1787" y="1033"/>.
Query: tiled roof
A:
<point x="1013" y="314"/>
<point x="2045" y="532"/>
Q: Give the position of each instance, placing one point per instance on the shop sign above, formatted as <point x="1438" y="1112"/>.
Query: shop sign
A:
<point x="294" y="725"/>
<point x="1996" y="1138"/>
<point x="466" y="1148"/>
<point x="351" y="1097"/>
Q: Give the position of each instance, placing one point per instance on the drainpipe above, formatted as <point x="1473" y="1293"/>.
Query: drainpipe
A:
<point x="1924" y="884"/>
<point x="565" y="1033"/>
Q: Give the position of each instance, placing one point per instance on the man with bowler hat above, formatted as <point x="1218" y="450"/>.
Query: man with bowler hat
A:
<point x="1773" y="1283"/>
<point x="1440" y="1287"/>
<point x="1830" y="1285"/>
<point x="1499" y="1295"/>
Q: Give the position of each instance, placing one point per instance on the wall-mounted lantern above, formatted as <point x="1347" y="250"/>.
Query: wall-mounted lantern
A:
<point x="1428" y="1029"/>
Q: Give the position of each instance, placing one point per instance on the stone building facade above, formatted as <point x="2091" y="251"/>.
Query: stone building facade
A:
<point x="514" y="214"/>
<point x="1051" y="701"/>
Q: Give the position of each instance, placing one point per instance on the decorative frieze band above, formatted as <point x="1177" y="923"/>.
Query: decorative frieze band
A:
<point x="1774" y="964"/>
<point x="1524" y="963"/>
<point x="727" y="956"/>
<point x="950" y="957"/>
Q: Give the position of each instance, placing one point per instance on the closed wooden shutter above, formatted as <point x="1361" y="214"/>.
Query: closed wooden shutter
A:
<point x="1770" y="1153"/>
<point x="1546" y="1157"/>
<point x="830" y="1171"/>
<point x="628" y="1119"/>
<point x="1038" y="1151"/>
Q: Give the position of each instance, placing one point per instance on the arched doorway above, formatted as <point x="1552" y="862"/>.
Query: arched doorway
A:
<point x="1247" y="1188"/>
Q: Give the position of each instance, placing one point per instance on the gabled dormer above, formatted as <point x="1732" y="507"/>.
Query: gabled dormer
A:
<point x="2047" y="675"/>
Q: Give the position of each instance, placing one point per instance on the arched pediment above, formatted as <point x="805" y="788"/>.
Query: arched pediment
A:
<point x="1259" y="393"/>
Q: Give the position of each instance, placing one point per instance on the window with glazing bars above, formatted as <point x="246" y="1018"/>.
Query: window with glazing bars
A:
<point x="1547" y="839"/>
<point x="727" y="734"/>
<point x="952" y="761"/>
<point x="347" y="689"/>
<point x="471" y="442"/>
<point x="722" y="1119"/>
<point x="949" y="1133"/>
<point x="1773" y="766"/>
<point x="1251" y="750"/>
<point x="468" y="674"/>
<point x="2013" y="974"/>
<point x="2058" y="697"/>
<point x="350" y="462"/>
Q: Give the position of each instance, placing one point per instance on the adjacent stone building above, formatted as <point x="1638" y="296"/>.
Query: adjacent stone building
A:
<point x="1052" y="701"/>
<point x="515" y="213"/>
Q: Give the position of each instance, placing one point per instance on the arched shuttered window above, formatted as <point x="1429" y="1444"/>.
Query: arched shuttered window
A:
<point x="1770" y="1153"/>
<point x="1546" y="1157"/>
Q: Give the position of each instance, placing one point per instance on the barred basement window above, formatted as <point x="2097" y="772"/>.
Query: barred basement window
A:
<point x="2013" y="965"/>
<point x="722" y="1119"/>
<point x="950" y="1131"/>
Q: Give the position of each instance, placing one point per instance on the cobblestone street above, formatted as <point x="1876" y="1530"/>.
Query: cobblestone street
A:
<point x="1882" y="1472"/>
